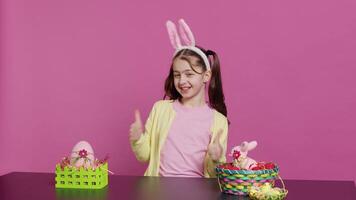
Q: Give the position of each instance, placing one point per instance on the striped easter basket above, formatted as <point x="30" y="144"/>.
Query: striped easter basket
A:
<point x="238" y="182"/>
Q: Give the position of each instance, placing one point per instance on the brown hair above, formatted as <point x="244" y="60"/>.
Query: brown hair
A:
<point x="215" y="91"/>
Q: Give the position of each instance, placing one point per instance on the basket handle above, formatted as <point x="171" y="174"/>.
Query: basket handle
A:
<point x="279" y="178"/>
<point x="219" y="182"/>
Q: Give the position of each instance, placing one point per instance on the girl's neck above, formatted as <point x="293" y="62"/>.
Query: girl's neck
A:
<point x="196" y="101"/>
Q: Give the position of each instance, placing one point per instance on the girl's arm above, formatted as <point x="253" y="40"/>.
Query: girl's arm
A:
<point x="209" y="163"/>
<point x="141" y="147"/>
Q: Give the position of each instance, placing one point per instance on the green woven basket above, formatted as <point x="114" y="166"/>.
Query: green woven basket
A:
<point x="82" y="178"/>
<point x="238" y="182"/>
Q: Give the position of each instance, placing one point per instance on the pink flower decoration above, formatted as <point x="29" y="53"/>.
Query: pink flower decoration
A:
<point x="236" y="154"/>
<point x="83" y="153"/>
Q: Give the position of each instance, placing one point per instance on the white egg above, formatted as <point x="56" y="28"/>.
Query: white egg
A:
<point x="82" y="155"/>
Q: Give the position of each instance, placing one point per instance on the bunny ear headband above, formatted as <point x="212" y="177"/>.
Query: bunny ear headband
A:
<point x="186" y="35"/>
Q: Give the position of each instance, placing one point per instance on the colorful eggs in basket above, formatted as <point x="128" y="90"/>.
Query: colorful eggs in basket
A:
<point x="82" y="155"/>
<point x="257" y="166"/>
<point x="266" y="192"/>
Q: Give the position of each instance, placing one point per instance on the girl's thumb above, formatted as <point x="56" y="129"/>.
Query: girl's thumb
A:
<point x="138" y="116"/>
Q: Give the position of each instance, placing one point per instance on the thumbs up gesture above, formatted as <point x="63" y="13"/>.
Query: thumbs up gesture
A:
<point x="215" y="149"/>
<point x="136" y="128"/>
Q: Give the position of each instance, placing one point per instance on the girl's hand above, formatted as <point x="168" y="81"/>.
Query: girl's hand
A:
<point x="215" y="148"/>
<point x="136" y="128"/>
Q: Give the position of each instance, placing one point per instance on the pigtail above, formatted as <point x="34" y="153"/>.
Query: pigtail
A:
<point x="216" y="94"/>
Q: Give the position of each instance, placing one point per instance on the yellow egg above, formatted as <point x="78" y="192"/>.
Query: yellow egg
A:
<point x="266" y="187"/>
<point x="228" y="186"/>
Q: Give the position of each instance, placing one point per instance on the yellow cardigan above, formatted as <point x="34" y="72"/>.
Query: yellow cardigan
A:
<point x="148" y="147"/>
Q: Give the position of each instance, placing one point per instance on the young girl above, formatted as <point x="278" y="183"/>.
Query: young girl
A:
<point x="184" y="135"/>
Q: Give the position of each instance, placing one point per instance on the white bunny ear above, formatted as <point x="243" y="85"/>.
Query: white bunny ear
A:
<point x="186" y="34"/>
<point x="251" y="145"/>
<point x="173" y="34"/>
<point x="244" y="146"/>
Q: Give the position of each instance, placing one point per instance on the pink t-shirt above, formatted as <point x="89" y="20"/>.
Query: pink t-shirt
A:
<point x="187" y="142"/>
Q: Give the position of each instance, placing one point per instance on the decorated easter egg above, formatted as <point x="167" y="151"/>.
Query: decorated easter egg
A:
<point x="266" y="187"/>
<point x="82" y="155"/>
<point x="268" y="191"/>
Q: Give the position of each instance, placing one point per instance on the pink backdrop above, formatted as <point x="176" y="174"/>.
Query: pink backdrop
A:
<point x="76" y="70"/>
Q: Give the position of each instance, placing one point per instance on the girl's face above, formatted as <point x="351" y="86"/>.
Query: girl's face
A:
<point x="187" y="82"/>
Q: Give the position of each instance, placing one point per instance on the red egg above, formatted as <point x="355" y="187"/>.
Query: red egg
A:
<point x="270" y="165"/>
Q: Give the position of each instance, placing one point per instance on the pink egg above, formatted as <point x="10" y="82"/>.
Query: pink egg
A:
<point x="82" y="155"/>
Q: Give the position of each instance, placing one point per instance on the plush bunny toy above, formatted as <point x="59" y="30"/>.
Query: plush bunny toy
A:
<point x="240" y="155"/>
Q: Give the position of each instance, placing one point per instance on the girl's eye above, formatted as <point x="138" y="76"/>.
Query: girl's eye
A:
<point x="176" y="75"/>
<point x="189" y="75"/>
